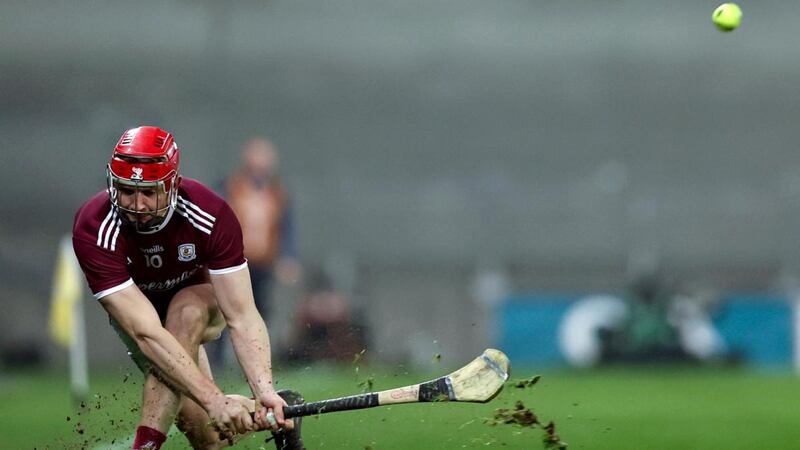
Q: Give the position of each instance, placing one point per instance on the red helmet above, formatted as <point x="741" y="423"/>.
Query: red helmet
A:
<point x="145" y="158"/>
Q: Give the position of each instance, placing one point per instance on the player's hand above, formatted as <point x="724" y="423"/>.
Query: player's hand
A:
<point x="230" y="417"/>
<point x="269" y="412"/>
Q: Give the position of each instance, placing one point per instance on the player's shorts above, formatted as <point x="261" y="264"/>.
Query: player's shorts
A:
<point x="160" y="301"/>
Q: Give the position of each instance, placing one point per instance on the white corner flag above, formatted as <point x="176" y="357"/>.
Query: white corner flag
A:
<point x="67" y="327"/>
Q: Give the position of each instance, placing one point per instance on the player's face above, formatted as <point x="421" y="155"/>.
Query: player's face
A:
<point x="148" y="202"/>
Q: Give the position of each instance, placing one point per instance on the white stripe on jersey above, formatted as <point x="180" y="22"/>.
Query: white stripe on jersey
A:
<point x="105" y="238"/>
<point x="188" y="216"/>
<point x="111" y="290"/>
<point x="196" y="208"/>
<point x="111" y="226"/>
<point x="205" y="222"/>
<point x="200" y="219"/>
<point x="227" y="269"/>
<point x="103" y="225"/>
<point x="116" y="233"/>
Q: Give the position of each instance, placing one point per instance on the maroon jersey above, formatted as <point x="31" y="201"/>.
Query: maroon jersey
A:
<point x="200" y="234"/>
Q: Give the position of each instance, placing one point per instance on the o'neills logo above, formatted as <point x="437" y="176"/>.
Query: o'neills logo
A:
<point x="154" y="249"/>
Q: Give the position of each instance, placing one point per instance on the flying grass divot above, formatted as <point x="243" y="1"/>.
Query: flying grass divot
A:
<point x="528" y="382"/>
<point x="524" y="417"/>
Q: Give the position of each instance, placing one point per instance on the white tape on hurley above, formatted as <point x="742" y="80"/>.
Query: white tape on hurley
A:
<point x="271" y="419"/>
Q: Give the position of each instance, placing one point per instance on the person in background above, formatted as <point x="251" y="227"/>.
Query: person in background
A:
<point x="646" y="334"/>
<point x="261" y="203"/>
<point x="325" y="326"/>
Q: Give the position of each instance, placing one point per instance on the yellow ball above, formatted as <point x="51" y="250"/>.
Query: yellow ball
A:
<point x="727" y="16"/>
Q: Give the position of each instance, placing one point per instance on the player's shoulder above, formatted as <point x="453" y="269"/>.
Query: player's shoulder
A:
<point x="197" y="199"/>
<point x="91" y="216"/>
<point x="200" y="195"/>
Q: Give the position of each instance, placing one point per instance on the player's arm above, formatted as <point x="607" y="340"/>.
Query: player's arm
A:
<point x="139" y="320"/>
<point x="250" y="339"/>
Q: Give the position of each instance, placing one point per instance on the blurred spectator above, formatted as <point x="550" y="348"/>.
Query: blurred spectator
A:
<point x="325" y="327"/>
<point x="650" y="331"/>
<point x="652" y="322"/>
<point x="665" y="324"/>
<point x="646" y="334"/>
<point x="261" y="204"/>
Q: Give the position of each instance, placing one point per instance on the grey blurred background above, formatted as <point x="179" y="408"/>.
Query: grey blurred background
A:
<point x="423" y="142"/>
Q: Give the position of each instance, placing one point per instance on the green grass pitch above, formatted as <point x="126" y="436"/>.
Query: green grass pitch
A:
<point x="620" y="408"/>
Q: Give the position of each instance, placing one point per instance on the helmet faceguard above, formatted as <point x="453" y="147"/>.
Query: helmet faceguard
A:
<point x="143" y="178"/>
